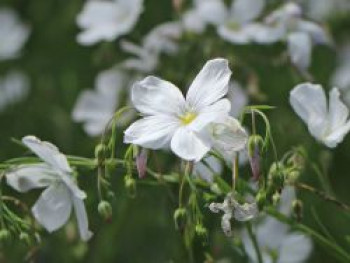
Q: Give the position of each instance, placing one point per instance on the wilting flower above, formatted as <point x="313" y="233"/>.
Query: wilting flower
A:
<point x="238" y="24"/>
<point x="286" y="23"/>
<point x="232" y="209"/>
<point x="54" y="206"/>
<point x="13" y="34"/>
<point x="96" y="108"/>
<point x="107" y="20"/>
<point x="276" y="242"/>
<point x="13" y="88"/>
<point x="328" y="123"/>
<point x="204" y="12"/>
<point x="169" y="118"/>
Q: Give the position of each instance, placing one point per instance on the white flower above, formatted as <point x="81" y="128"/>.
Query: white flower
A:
<point x="96" y="108"/>
<point x="324" y="9"/>
<point x="13" y="34"/>
<point x="107" y="20"/>
<point x="275" y="238"/>
<point x="13" y="88"/>
<point x="287" y="24"/>
<point x="327" y="123"/>
<point x="203" y="13"/>
<point x="169" y="118"/>
<point x="54" y="206"/>
<point x="239" y="21"/>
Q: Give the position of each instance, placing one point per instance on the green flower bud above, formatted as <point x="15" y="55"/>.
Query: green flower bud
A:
<point x="297" y="206"/>
<point x="293" y="176"/>
<point x="4" y="235"/>
<point x="200" y="230"/>
<point x="105" y="210"/>
<point x="276" y="198"/>
<point x="255" y="141"/>
<point x="261" y="199"/>
<point x="179" y="217"/>
<point x="276" y="175"/>
<point x="25" y="238"/>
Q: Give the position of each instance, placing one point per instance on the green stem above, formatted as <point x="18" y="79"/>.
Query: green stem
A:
<point x="254" y="241"/>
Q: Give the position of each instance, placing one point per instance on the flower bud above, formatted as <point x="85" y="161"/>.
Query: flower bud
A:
<point x="276" y="198"/>
<point x="292" y="176"/>
<point x="105" y="210"/>
<point x="261" y="199"/>
<point x="179" y="217"/>
<point x="4" y="235"/>
<point x="25" y="238"/>
<point x="276" y="175"/>
<point x="297" y="206"/>
<point x="255" y="145"/>
<point x="200" y="230"/>
<point x="100" y="152"/>
<point x="141" y="162"/>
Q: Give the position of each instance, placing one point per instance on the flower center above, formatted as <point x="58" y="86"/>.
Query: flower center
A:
<point x="188" y="117"/>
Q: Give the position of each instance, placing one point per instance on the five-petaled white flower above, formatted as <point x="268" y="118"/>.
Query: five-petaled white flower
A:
<point x="276" y="242"/>
<point x="169" y="118"/>
<point x="54" y="206"/>
<point x="107" y="20"/>
<point x="13" y="34"/>
<point x="327" y="123"/>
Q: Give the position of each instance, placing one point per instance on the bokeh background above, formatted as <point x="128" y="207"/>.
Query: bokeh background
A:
<point x="142" y="229"/>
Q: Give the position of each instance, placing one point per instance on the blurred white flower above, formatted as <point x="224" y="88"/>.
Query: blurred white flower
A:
<point x="341" y="76"/>
<point x="203" y="13"/>
<point x="238" y="25"/>
<point x="107" y="20"/>
<point x="13" y="88"/>
<point x="275" y="239"/>
<point x="328" y="123"/>
<point x="169" y="118"/>
<point x="324" y="9"/>
<point x="54" y="206"/>
<point x="162" y="39"/>
<point x="13" y="34"/>
<point x="96" y="108"/>
<point x="231" y="208"/>
<point x="287" y="24"/>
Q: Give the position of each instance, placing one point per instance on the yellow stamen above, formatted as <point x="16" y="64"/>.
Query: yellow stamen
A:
<point x="187" y="118"/>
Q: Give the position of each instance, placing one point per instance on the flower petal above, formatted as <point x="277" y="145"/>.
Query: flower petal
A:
<point x="295" y="248"/>
<point x="238" y="97"/>
<point x="188" y="145"/>
<point x="82" y="219"/>
<point x="153" y="132"/>
<point x="48" y="153"/>
<point x="247" y="10"/>
<point x="53" y="208"/>
<point x="338" y="112"/>
<point x="210" y="85"/>
<point x="299" y="48"/>
<point x="154" y="96"/>
<point x="27" y="177"/>
<point x="239" y="36"/>
<point x="317" y="33"/>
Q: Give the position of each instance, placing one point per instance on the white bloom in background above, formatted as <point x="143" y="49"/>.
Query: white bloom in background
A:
<point x="204" y="12"/>
<point x="13" y="34"/>
<point x="209" y="169"/>
<point x="54" y="206"/>
<point x="237" y="27"/>
<point x="275" y="239"/>
<point x="328" y="123"/>
<point x="107" y="20"/>
<point x="287" y="23"/>
<point x="324" y="9"/>
<point x="95" y="108"/>
<point x="162" y="39"/>
<point x="14" y="87"/>
<point x="169" y="118"/>
<point x="341" y="76"/>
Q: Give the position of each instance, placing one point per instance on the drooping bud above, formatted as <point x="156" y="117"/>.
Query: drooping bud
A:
<point x="4" y="235"/>
<point x="130" y="185"/>
<point x="179" y="217"/>
<point x="141" y="162"/>
<point x="105" y="210"/>
<point x="200" y="230"/>
<point x="292" y="176"/>
<point x="25" y="238"/>
<point x="255" y="145"/>
<point x="297" y="206"/>
<point x="100" y="152"/>
<point x="276" y="175"/>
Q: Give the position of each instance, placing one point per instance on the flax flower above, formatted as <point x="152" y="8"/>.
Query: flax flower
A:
<point x="54" y="206"/>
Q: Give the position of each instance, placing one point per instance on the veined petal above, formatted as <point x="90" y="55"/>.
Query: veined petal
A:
<point x="210" y="85"/>
<point x="247" y="10"/>
<point x="338" y="112"/>
<point x="309" y="102"/>
<point x="153" y="132"/>
<point x="82" y="219"/>
<point x="218" y="110"/>
<point x="300" y="47"/>
<point x="53" y="208"/>
<point x="48" y="153"/>
<point x="295" y="248"/>
<point x="154" y="96"/>
<point x="71" y="185"/>
<point x="188" y="145"/>
<point x="336" y="136"/>
<point x="26" y="177"/>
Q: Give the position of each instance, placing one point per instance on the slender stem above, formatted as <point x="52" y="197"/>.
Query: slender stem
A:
<point x="254" y="241"/>
<point x="234" y="172"/>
